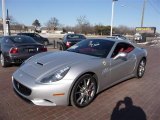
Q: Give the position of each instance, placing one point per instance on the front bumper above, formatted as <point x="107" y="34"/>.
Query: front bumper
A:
<point x="41" y="94"/>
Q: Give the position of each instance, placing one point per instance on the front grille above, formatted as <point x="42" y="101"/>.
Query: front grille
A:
<point x="21" y="88"/>
<point x="25" y="99"/>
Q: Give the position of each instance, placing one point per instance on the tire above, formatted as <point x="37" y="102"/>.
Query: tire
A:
<point x="45" y="43"/>
<point x="3" y="61"/>
<point x="141" y="68"/>
<point x="60" y="47"/>
<point x="84" y="91"/>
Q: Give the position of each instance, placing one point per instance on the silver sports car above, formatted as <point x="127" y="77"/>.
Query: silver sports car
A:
<point x="76" y="75"/>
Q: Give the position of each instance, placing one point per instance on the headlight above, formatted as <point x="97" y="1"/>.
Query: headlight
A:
<point x="58" y="75"/>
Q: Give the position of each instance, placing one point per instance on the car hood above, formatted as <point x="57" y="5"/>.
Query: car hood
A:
<point x="47" y="63"/>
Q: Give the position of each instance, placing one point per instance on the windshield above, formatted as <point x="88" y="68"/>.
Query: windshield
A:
<point x="73" y="36"/>
<point x="93" y="47"/>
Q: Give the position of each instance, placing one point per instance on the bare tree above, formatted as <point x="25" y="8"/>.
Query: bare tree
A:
<point x="83" y="25"/>
<point x="124" y="30"/>
<point x="53" y="23"/>
<point x="13" y="21"/>
<point x="82" y="20"/>
<point x="68" y="29"/>
<point x="102" y="30"/>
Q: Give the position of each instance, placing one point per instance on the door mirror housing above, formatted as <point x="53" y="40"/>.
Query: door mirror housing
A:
<point x="121" y="55"/>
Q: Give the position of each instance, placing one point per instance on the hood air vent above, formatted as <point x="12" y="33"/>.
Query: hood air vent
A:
<point x="39" y="63"/>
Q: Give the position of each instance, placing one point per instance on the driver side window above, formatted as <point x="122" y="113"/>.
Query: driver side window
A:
<point x="122" y="47"/>
<point x="36" y="35"/>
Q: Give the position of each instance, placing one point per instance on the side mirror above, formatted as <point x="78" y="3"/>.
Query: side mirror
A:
<point x="121" y="55"/>
<point x="60" y="38"/>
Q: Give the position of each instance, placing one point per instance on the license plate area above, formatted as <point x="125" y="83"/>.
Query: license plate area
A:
<point x="31" y="50"/>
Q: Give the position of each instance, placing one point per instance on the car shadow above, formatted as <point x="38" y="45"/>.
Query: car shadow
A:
<point x="114" y="84"/>
<point x="125" y="110"/>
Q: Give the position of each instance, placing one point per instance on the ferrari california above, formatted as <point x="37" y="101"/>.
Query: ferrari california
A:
<point x="77" y="75"/>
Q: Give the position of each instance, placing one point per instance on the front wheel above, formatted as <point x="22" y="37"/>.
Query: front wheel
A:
<point x="141" y="68"/>
<point x="84" y="91"/>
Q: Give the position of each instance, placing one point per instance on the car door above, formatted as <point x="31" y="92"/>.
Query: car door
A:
<point x="35" y="38"/>
<point x="40" y="38"/>
<point x="121" y="68"/>
<point x="33" y="35"/>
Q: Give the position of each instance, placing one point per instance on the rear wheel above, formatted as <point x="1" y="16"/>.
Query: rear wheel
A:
<point x="141" y="68"/>
<point x="3" y="61"/>
<point x="45" y="43"/>
<point x="84" y="91"/>
<point x="60" y="47"/>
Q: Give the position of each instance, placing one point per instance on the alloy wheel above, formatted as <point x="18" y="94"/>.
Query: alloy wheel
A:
<point x="84" y="91"/>
<point x="141" y="68"/>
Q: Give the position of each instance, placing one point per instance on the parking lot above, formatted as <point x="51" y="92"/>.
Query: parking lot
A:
<point x="144" y="94"/>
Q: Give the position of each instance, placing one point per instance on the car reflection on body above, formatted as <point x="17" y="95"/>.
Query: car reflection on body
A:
<point x="76" y="75"/>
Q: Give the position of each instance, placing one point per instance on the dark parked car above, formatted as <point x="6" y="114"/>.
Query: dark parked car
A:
<point x="119" y="36"/>
<point x="69" y="40"/>
<point x="0" y="39"/>
<point x="36" y="37"/>
<point x="16" y="49"/>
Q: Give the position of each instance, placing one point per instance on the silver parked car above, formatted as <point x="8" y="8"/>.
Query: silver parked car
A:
<point x="76" y="75"/>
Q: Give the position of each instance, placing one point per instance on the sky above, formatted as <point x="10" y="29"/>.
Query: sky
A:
<point x="126" y="12"/>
